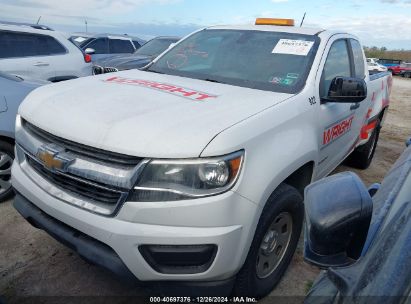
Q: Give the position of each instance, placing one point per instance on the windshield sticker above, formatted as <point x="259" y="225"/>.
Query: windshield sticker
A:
<point x="293" y="47"/>
<point x="293" y="75"/>
<point x="164" y="87"/>
<point x="282" y="81"/>
<point x="80" y="39"/>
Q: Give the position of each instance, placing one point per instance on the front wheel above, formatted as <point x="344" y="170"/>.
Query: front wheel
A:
<point x="274" y="243"/>
<point x="6" y="161"/>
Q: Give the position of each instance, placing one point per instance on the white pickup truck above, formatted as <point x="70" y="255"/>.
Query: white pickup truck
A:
<point x="192" y="171"/>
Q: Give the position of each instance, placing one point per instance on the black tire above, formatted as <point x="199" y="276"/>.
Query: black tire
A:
<point x="362" y="156"/>
<point x="284" y="200"/>
<point x="6" y="158"/>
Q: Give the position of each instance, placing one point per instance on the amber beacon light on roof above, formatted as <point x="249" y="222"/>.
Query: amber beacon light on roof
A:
<point x="274" y="21"/>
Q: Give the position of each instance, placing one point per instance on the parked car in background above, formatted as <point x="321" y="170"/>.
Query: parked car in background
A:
<point x="13" y="89"/>
<point x="361" y="238"/>
<point x="140" y="58"/>
<point x="374" y="67"/>
<point x="40" y="53"/>
<point x="372" y="60"/>
<point x="406" y="74"/>
<point x="403" y="68"/>
<point x="389" y="62"/>
<point x="104" y="45"/>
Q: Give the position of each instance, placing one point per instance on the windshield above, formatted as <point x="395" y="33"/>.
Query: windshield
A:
<point x="270" y="61"/>
<point x="155" y="47"/>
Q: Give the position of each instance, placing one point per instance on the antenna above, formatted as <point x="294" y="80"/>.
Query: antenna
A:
<point x="85" y="21"/>
<point x="38" y="20"/>
<point x="302" y="21"/>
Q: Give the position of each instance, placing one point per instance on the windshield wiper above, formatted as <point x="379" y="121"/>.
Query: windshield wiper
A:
<point x="153" y="71"/>
<point x="213" y="80"/>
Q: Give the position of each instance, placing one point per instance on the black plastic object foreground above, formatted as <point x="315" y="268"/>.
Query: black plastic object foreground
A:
<point x="338" y="213"/>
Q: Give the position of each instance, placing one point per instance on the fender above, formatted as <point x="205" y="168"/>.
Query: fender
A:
<point x="287" y="140"/>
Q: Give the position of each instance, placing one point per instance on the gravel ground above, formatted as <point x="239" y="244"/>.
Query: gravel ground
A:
<point x="34" y="264"/>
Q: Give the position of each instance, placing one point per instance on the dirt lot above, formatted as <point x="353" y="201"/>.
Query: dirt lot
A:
<point x="34" y="264"/>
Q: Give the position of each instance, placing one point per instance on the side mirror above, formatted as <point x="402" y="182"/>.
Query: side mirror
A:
<point x="90" y="51"/>
<point x="408" y="142"/>
<point x="347" y="90"/>
<point x="338" y="212"/>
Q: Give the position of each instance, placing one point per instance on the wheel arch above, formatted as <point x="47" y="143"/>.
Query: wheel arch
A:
<point x="301" y="177"/>
<point x="7" y="139"/>
<point x="382" y="114"/>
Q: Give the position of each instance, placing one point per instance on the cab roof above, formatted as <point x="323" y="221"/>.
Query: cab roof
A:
<point x="275" y="28"/>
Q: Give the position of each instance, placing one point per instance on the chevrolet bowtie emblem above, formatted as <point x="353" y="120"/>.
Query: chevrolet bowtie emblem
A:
<point x="53" y="157"/>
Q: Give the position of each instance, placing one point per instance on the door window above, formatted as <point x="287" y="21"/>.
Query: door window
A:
<point x="100" y="46"/>
<point x="358" y="58"/>
<point x="14" y="45"/>
<point x="17" y="45"/>
<point x="337" y="64"/>
<point x="118" y="46"/>
<point x="54" y="47"/>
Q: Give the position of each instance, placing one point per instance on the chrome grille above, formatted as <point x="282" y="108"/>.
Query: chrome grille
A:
<point x="80" y="149"/>
<point x="87" y="190"/>
<point x="110" y="70"/>
<point x="92" y="179"/>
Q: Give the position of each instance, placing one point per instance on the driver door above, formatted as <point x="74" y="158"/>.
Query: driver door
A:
<point x="340" y="123"/>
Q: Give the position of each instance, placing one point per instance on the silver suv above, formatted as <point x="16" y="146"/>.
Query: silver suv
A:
<point x="41" y="53"/>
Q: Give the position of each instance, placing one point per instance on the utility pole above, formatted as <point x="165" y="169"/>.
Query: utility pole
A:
<point x="38" y="20"/>
<point x="85" y="21"/>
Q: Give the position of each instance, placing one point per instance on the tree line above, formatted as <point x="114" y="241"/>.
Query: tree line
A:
<point x="383" y="52"/>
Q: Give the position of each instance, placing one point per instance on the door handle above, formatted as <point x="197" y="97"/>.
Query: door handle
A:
<point x="355" y="106"/>
<point x="40" y="64"/>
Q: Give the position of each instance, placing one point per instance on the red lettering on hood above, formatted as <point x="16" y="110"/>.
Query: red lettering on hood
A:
<point x="175" y="90"/>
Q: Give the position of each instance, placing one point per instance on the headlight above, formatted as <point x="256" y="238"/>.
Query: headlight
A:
<point x="170" y="180"/>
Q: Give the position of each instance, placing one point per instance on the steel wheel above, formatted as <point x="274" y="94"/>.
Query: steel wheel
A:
<point x="5" y="172"/>
<point x="274" y="245"/>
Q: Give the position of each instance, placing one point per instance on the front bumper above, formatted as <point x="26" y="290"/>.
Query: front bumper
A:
<point x="227" y="221"/>
<point x="102" y="255"/>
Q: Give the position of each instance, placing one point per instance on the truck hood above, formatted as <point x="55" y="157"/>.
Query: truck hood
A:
<point x="143" y="113"/>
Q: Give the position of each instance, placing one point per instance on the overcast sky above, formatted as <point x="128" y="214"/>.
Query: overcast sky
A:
<point x="377" y="22"/>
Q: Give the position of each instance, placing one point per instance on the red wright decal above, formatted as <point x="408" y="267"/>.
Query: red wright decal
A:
<point x="179" y="91"/>
<point x="337" y="130"/>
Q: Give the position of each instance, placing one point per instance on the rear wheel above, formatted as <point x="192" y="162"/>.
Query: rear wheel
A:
<point x="6" y="161"/>
<point x="362" y="156"/>
<point x="274" y="243"/>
